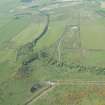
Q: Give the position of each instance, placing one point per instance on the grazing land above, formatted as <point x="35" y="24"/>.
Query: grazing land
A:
<point x="52" y="52"/>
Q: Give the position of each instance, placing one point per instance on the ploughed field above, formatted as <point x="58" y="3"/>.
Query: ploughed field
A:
<point x="52" y="52"/>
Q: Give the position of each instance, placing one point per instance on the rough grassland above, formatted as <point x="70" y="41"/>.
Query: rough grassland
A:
<point x="21" y="24"/>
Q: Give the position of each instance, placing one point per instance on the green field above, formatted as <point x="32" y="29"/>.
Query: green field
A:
<point x="57" y="48"/>
<point x="74" y="94"/>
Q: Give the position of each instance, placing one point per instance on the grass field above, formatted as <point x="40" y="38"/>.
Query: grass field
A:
<point x="69" y="48"/>
<point x="74" y="94"/>
<point x="93" y="38"/>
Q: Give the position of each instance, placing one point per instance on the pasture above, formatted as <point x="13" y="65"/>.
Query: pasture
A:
<point x="54" y="44"/>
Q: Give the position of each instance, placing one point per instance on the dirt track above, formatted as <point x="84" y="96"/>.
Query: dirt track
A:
<point x="35" y="98"/>
<point x="62" y="82"/>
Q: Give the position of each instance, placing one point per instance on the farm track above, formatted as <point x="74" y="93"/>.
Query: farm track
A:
<point x="93" y="50"/>
<point x="38" y="96"/>
<point x="78" y="82"/>
<point x="62" y="82"/>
